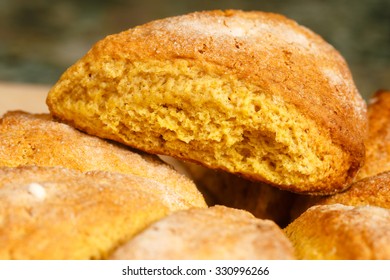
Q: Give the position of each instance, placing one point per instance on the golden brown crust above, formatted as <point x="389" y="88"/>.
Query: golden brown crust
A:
<point x="373" y="191"/>
<point x="215" y="233"/>
<point x="36" y="139"/>
<point x="337" y="231"/>
<point x="58" y="213"/>
<point x="378" y="142"/>
<point x="260" y="53"/>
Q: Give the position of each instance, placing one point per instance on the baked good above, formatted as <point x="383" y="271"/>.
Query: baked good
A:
<point x="210" y="233"/>
<point x="374" y="191"/>
<point x="59" y="213"/>
<point x="372" y="181"/>
<point x="36" y="139"/>
<point x="338" y="231"/>
<point x="251" y="93"/>
<point x="378" y="141"/>
<point x="223" y="188"/>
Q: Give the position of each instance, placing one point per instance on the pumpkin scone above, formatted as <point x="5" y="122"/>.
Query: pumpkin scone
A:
<point x="250" y="93"/>
<point x="217" y="232"/>
<point x="373" y="191"/>
<point x="59" y="213"/>
<point x="336" y="231"/>
<point x="378" y="141"/>
<point x="37" y="139"/>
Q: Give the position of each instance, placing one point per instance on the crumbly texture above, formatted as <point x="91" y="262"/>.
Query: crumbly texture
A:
<point x="37" y="139"/>
<point x="218" y="232"/>
<point x="58" y="213"/>
<point x="378" y="142"/>
<point x="374" y="191"/>
<point x="250" y="93"/>
<point x="336" y="231"/>
<point x="223" y="188"/>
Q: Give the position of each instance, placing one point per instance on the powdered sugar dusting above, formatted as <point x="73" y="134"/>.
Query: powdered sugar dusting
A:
<point x="168" y="195"/>
<point x="331" y="207"/>
<point x="377" y="215"/>
<point x="37" y="190"/>
<point x="236" y="31"/>
<point x="359" y="216"/>
<point x="253" y="29"/>
<point x="342" y="85"/>
<point x="334" y="77"/>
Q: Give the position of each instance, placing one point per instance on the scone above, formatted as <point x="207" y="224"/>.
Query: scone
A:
<point x="223" y="188"/>
<point x="378" y="142"/>
<point x="58" y="213"/>
<point x="215" y="233"/>
<point x="336" y="231"/>
<point x="373" y="191"/>
<point x="36" y="139"/>
<point x="250" y="93"/>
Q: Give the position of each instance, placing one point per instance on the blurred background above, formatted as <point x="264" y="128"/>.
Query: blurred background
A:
<point x="41" y="38"/>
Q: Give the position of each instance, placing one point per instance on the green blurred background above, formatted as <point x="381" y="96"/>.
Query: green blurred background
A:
<point x="41" y="38"/>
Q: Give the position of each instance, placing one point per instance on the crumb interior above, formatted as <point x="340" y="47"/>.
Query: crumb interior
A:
<point x="197" y="112"/>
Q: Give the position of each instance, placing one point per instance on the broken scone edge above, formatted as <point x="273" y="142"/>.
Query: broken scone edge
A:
<point x="196" y="87"/>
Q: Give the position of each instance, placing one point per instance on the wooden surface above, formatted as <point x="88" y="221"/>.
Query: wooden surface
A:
<point x="26" y="97"/>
